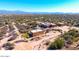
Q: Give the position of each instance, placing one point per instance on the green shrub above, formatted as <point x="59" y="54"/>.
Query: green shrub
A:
<point x="73" y="32"/>
<point x="71" y="35"/>
<point x="8" y="46"/>
<point x="25" y="35"/>
<point x="58" y="44"/>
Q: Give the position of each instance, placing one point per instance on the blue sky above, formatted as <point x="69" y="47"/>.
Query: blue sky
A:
<point x="40" y="5"/>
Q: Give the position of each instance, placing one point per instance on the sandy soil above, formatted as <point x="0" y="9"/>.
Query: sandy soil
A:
<point x="39" y="44"/>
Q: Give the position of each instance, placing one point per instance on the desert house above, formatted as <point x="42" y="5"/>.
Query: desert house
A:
<point x="60" y="24"/>
<point x="37" y="32"/>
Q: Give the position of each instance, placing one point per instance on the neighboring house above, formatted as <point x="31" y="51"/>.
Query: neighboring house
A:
<point x="46" y="25"/>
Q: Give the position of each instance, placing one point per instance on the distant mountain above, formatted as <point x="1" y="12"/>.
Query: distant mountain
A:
<point x="22" y="12"/>
<point x="12" y="12"/>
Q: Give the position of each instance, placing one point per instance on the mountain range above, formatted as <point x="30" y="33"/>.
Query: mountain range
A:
<point x="23" y="12"/>
<point x="12" y="12"/>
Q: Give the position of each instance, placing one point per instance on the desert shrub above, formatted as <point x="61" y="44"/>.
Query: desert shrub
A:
<point x="25" y="35"/>
<point x="58" y="44"/>
<point x="76" y="39"/>
<point x="71" y="35"/>
<point x="8" y="46"/>
<point x="73" y="32"/>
